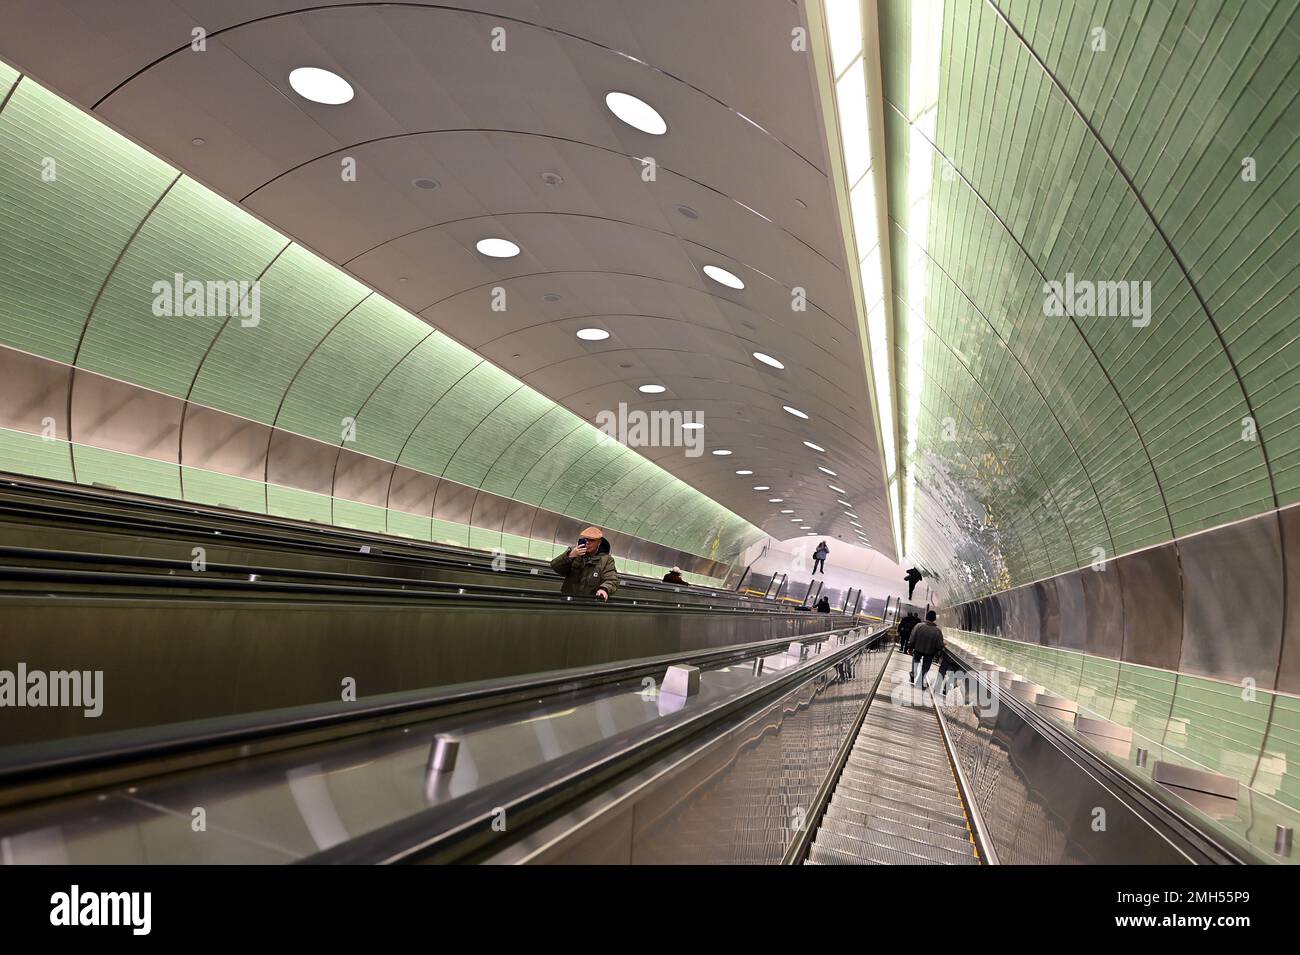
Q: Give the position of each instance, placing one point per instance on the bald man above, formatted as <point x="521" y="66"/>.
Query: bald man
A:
<point x="588" y="569"/>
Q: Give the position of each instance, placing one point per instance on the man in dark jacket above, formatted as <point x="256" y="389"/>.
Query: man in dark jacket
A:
<point x="588" y="569"/>
<point x="905" y="626"/>
<point x="674" y="576"/>
<point x="927" y="643"/>
<point x="824" y="605"/>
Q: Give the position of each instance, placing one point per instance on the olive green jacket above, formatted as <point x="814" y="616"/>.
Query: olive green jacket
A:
<point x="586" y="574"/>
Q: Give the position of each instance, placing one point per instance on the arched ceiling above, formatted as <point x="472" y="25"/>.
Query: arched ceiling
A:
<point x="1151" y="142"/>
<point x="744" y="155"/>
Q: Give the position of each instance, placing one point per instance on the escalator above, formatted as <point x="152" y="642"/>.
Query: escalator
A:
<point x="897" y="801"/>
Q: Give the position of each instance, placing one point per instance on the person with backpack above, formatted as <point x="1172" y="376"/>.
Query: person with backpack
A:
<point x="819" y="557"/>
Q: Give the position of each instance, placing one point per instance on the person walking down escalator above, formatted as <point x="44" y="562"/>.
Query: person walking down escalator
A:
<point x="674" y="576"/>
<point x="588" y="567"/>
<point x="819" y="558"/>
<point x="927" y="643"/>
<point x="824" y="605"/>
<point x="905" y="627"/>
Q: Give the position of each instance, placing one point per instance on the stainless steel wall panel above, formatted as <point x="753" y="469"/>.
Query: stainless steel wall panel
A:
<point x="216" y="441"/>
<point x="1049" y="612"/>
<point x="454" y="502"/>
<point x="489" y="513"/>
<point x="302" y="463"/>
<point x="1103" y="596"/>
<point x="1233" y="591"/>
<point x="120" y="417"/>
<point x="412" y="491"/>
<point x="34" y="389"/>
<point x="1153" y="606"/>
<point x="1288" y="677"/>
<point x="362" y="479"/>
<point x="1072" y="608"/>
<point x="519" y="519"/>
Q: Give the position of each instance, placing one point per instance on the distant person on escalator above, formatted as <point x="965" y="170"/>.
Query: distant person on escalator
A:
<point x="927" y="643"/>
<point x="819" y="558"/>
<point x="674" y="576"/>
<point x="588" y="568"/>
<point x="913" y="577"/>
<point x="824" y="605"/>
<point x="905" y="627"/>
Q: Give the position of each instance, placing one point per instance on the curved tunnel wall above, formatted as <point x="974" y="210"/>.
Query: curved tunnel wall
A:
<point x="1194" y="644"/>
<point x="1020" y="154"/>
<point x="329" y="404"/>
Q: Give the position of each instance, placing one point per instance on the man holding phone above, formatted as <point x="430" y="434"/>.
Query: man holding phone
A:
<point x="588" y="568"/>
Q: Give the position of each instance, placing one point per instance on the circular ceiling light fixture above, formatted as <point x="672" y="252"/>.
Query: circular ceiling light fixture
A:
<point x="551" y="297"/>
<point x="637" y="113"/>
<point x="796" y="520"/>
<point x="424" y="182"/>
<point x="787" y="511"/>
<point x="776" y="500"/>
<point x="805" y="528"/>
<point x="846" y="503"/>
<point x="761" y="487"/>
<point x="837" y="490"/>
<point x="795" y="411"/>
<point x="723" y="277"/>
<point x="692" y="426"/>
<point x="497" y="248"/>
<point x="827" y="471"/>
<point x="320" y="86"/>
<point x="744" y="473"/>
<point x="815" y="447"/>
<point x="686" y="210"/>
<point x="721" y="452"/>
<point x="552" y="179"/>
<point x="593" y="334"/>
<point x="768" y="360"/>
<point x="652" y="389"/>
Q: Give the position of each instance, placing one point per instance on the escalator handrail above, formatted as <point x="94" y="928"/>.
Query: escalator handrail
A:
<point x="456" y="830"/>
<point x="1159" y="810"/>
<point x="33" y="762"/>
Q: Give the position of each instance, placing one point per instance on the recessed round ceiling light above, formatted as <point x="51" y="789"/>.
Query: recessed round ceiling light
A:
<point x="497" y="248"/>
<point x="805" y="528"/>
<point x="815" y="447"/>
<point x="795" y="411"/>
<point x="795" y="520"/>
<point x="768" y="360"/>
<point x="692" y="426"/>
<point x="721" y="452"/>
<point x="593" y="334"/>
<point x="652" y="389"/>
<point x="637" y="113"/>
<point x="552" y="179"/>
<point x="197" y="141"/>
<point x="761" y="487"/>
<point x="744" y="473"/>
<point x="846" y="503"/>
<point x="723" y="277"/>
<point x="787" y="511"/>
<point x="686" y="211"/>
<point x="837" y="490"/>
<point x="776" y="500"/>
<point x="551" y="297"/>
<point x="424" y="182"/>
<point x="827" y="471"/>
<point x="320" y="86"/>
